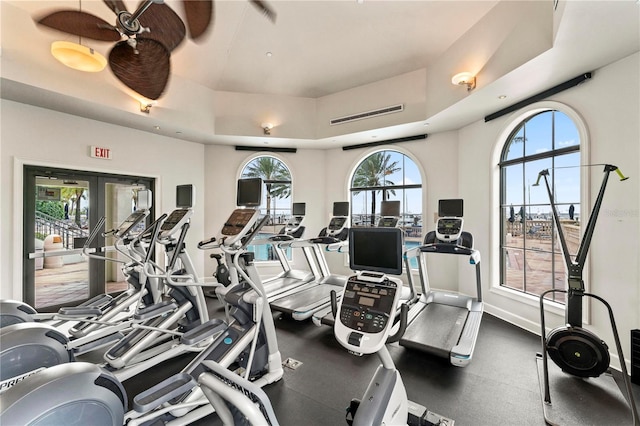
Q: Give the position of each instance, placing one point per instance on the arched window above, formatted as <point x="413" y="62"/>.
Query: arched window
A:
<point x="391" y="176"/>
<point x="276" y="197"/>
<point x="530" y="259"/>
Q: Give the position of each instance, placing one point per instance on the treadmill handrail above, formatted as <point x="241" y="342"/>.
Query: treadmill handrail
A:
<point x="442" y="248"/>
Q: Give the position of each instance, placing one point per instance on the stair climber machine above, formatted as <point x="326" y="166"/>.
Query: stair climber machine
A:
<point x="389" y="218"/>
<point x="247" y="344"/>
<point x="443" y="323"/>
<point x="289" y="278"/>
<point x="303" y="301"/>
<point x="366" y="312"/>
<point x="152" y="333"/>
<point x="597" y="396"/>
<point x="103" y="306"/>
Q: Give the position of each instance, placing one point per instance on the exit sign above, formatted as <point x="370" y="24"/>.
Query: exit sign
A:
<point x="98" y="152"/>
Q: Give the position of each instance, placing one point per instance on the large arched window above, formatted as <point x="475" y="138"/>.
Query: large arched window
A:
<point x="531" y="261"/>
<point x="276" y="197"/>
<point x="392" y="176"/>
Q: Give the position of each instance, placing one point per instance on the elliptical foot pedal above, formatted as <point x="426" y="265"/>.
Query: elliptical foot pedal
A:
<point x="80" y="312"/>
<point x="154" y="311"/>
<point x="97" y="344"/>
<point x="163" y="392"/>
<point x="203" y="331"/>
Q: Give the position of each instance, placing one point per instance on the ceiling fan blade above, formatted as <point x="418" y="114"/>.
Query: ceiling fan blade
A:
<point x="81" y="24"/>
<point x="144" y="69"/>
<point x="264" y="9"/>
<point x="165" y="26"/>
<point x="199" y="14"/>
<point x="116" y="6"/>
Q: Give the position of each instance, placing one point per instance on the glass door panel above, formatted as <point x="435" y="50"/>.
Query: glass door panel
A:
<point x="60" y="207"/>
<point x="60" y="226"/>
<point x="121" y="199"/>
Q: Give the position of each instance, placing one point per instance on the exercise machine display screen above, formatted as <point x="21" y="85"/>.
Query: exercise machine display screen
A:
<point x="376" y="249"/>
<point x="450" y="208"/>
<point x="238" y="220"/>
<point x="299" y="209"/>
<point x="184" y="196"/>
<point x="449" y="229"/>
<point x="341" y="208"/>
<point x="390" y="208"/>
<point x="366" y="306"/>
<point x="130" y="222"/>
<point x="249" y="192"/>
<point x="175" y="220"/>
<point x="337" y="223"/>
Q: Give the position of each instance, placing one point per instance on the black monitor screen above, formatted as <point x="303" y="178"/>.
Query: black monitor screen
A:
<point x="376" y="249"/>
<point x="184" y="196"/>
<point x="341" y="208"/>
<point x="390" y="208"/>
<point x="299" y="209"/>
<point x="450" y="208"/>
<point x="249" y="192"/>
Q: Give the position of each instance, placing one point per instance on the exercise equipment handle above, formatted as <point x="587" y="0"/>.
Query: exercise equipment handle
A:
<point x="404" y="310"/>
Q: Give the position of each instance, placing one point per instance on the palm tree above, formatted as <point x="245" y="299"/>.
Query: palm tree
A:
<point x="372" y="172"/>
<point x="275" y="175"/>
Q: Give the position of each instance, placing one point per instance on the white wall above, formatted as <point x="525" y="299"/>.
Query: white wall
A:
<point x="31" y="135"/>
<point x="609" y="106"/>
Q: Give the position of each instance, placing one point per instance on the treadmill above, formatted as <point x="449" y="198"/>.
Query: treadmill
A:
<point x="303" y="301"/>
<point x="443" y="323"/>
<point x="289" y="278"/>
<point x="389" y="218"/>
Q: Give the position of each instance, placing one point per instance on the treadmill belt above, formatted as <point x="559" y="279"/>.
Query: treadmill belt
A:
<point x="436" y="329"/>
<point x="302" y="299"/>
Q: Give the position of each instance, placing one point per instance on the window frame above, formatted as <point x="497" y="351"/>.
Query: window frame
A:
<point x="421" y="186"/>
<point x="262" y="207"/>
<point x="495" y="266"/>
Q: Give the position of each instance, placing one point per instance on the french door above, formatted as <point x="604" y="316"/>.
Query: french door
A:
<point x="61" y="208"/>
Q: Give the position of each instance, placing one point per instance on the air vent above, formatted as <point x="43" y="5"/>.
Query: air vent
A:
<point x="368" y="114"/>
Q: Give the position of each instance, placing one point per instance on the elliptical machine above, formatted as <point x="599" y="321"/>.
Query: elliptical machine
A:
<point x="574" y="349"/>
<point x="247" y="343"/>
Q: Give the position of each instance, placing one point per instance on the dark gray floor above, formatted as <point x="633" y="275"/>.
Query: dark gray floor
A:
<point x="500" y="386"/>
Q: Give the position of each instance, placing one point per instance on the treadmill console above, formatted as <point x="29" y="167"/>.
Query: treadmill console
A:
<point x="366" y="312"/>
<point x="336" y="225"/>
<point x="174" y="222"/>
<point x="237" y="225"/>
<point x="449" y="229"/>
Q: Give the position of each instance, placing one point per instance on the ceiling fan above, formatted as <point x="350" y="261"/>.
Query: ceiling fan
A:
<point x="144" y="38"/>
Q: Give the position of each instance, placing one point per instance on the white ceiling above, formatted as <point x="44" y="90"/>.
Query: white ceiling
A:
<point x="318" y="49"/>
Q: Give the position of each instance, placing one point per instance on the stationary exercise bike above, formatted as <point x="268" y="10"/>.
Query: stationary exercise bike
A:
<point x="574" y="349"/>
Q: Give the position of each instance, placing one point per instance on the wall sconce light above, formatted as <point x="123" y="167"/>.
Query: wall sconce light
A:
<point x="464" y="79"/>
<point x="266" y="128"/>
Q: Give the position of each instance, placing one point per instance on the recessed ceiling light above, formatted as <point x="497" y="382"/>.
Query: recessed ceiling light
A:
<point x="269" y="54"/>
<point x="502" y="97"/>
<point x="156" y="127"/>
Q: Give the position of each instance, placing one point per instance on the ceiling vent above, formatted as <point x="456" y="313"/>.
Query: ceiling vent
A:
<point x="368" y="114"/>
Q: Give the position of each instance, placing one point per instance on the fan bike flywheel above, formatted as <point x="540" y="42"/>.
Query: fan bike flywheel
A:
<point x="578" y="351"/>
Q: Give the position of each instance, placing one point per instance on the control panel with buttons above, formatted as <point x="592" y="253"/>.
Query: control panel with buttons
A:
<point x="366" y="313"/>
